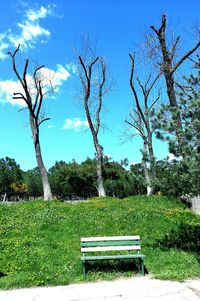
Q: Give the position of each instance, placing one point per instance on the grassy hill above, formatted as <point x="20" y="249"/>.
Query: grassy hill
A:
<point x="40" y="241"/>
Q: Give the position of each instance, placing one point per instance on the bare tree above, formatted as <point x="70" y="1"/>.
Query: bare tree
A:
<point x="140" y="119"/>
<point x="169" y="65"/>
<point x="33" y="100"/>
<point x="93" y="77"/>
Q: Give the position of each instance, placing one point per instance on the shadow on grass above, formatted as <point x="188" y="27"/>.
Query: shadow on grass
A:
<point x="2" y="274"/>
<point x="186" y="238"/>
<point x="115" y="266"/>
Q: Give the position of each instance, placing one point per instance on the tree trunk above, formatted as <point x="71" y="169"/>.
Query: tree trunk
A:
<point x="150" y="188"/>
<point x="44" y="176"/>
<point x="151" y="155"/>
<point x="168" y="70"/>
<point x="4" y="197"/>
<point x="100" y="185"/>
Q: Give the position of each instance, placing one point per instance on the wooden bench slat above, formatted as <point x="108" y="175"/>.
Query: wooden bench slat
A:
<point x="110" y="248"/>
<point x="130" y="256"/>
<point x="110" y="243"/>
<point x="107" y="238"/>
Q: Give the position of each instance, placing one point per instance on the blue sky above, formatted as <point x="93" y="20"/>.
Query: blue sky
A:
<point x="48" y="32"/>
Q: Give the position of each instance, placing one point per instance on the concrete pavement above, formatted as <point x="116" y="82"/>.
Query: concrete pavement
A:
<point x="129" y="289"/>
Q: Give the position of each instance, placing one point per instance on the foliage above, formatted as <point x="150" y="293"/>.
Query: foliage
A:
<point x="184" y="143"/>
<point x="18" y="188"/>
<point x="10" y="177"/>
<point x="40" y="241"/>
<point x="138" y="181"/>
<point x="33" y="182"/>
<point x="171" y="178"/>
<point x="73" y="180"/>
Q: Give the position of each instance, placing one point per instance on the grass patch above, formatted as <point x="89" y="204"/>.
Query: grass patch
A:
<point x="40" y="241"/>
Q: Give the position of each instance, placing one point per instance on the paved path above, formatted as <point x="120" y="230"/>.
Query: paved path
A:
<point x="131" y="289"/>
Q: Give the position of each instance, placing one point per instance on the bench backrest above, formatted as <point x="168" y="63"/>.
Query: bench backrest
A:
<point x="112" y="243"/>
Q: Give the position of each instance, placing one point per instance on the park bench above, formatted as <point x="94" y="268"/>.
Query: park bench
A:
<point x="113" y="248"/>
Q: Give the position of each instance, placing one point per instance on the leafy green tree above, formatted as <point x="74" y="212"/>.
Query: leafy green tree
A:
<point x="171" y="175"/>
<point x="10" y="173"/>
<point x="169" y="62"/>
<point x="18" y="189"/>
<point x="73" y="180"/>
<point x="121" y="182"/>
<point x="138" y="179"/>
<point x="58" y="177"/>
<point x="186" y="144"/>
<point x="33" y="181"/>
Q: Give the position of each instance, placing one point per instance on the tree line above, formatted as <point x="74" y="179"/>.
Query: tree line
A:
<point x="176" y="121"/>
<point x="72" y="181"/>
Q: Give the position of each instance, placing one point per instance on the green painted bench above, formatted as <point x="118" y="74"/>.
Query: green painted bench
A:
<point x="113" y="248"/>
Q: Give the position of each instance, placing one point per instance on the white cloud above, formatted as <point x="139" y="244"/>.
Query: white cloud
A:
<point x="72" y="67"/>
<point x="42" y="12"/>
<point x="7" y="88"/>
<point x="3" y="47"/>
<point x="75" y="124"/>
<point x="29" y="36"/>
<point x="60" y="75"/>
<point x="51" y="80"/>
<point x="50" y="126"/>
<point x="30" y="32"/>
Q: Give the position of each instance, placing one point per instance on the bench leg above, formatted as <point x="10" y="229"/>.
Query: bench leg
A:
<point x="142" y="267"/>
<point x="84" y="269"/>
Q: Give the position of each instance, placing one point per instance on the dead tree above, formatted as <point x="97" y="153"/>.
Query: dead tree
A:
<point x="93" y="101"/>
<point x="140" y="120"/>
<point x="33" y="101"/>
<point x="169" y="66"/>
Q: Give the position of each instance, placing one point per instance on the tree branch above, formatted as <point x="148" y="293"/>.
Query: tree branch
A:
<point x="19" y="96"/>
<point x="134" y="91"/>
<point x="43" y="120"/>
<point x="23" y="109"/>
<point x="162" y="28"/>
<point x="174" y="47"/>
<point x="185" y="57"/>
<point x="101" y="85"/>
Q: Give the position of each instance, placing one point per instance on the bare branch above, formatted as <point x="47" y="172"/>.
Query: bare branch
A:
<point x="186" y="56"/>
<point x="163" y="26"/>
<point x="174" y="47"/>
<point x="37" y="69"/>
<point x="84" y="68"/>
<point x="101" y="85"/>
<point x="134" y="90"/>
<point x="153" y="83"/>
<point x="146" y="84"/>
<point x="155" y="101"/>
<point x="14" y="64"/>
<point x="19" y="96"/>
<point x="40" y="100"/>
<point x="20" y="110"/>
<point x="43" y="120"/>
<point x="25" y="72"/>
<point x="143" y="88"/>
<point x="15" y="52"/>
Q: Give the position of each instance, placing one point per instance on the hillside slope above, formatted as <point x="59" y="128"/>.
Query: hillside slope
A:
<point x="40" y="241"/>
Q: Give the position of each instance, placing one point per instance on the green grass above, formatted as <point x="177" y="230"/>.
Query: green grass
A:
<point x="40" y="241"/>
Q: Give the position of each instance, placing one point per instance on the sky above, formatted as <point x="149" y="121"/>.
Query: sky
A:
<point x="47" y="32"/>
